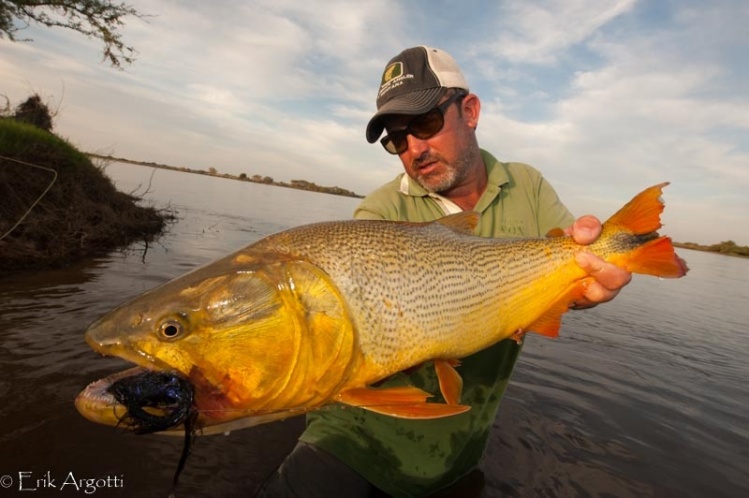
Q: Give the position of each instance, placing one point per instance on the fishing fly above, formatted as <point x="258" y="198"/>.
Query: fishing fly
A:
<point x="157" y="401"/>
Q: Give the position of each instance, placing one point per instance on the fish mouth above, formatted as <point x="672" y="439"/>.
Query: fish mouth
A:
<point x="98" y="405"/>
<point x="98" y="402"/>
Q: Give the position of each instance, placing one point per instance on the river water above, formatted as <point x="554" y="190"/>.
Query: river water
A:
<point x="645" y="396"/>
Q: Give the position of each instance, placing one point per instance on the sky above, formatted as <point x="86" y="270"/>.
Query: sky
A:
<point x="605" y="97"/>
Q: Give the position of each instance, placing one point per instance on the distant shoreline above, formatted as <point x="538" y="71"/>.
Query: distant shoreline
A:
<point x="728" y="248"/>
<point x="265" y="180"/>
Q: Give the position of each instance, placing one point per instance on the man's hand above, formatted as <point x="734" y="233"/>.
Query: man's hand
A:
<point x="608" y="278"/>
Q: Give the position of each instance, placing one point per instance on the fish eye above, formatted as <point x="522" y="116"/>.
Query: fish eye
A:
<point x="171" y="329"/>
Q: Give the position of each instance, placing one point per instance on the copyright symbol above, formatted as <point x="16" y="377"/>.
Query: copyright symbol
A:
<point x="6" y="481"/>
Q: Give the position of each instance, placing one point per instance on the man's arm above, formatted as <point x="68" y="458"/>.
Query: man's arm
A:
<point x="609" y="278"/>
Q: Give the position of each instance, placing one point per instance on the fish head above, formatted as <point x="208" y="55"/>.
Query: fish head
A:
<point x="253" y="334"/>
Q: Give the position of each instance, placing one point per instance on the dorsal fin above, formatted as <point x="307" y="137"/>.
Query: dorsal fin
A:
<point x="464" y="222"/>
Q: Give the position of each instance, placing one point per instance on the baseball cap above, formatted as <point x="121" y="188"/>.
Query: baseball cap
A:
<point x="412" y="83"/>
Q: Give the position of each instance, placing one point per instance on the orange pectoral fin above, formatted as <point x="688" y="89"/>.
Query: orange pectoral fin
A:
<point x="402" y="402"/>
<point x="391" y="395"/>
<point x="451" y="383"/>
<point x="423" y="411"/>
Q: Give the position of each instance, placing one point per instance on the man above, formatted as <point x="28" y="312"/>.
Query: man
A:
<point x="430" y="116"/>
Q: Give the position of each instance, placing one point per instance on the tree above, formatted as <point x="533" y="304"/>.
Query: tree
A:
<point x="98" y="19"/>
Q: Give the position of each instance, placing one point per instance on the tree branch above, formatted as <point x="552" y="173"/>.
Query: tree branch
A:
<point x="99" y="19"/>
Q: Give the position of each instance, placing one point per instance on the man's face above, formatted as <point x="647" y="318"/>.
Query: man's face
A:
<point x="443" y="161"/>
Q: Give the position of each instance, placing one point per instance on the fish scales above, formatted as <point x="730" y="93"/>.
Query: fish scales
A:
<point x="413" y="291"/>
<point x="318" y="314"/>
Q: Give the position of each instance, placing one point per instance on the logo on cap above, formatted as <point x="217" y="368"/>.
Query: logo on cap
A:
<point x="392" y="71"/>
<point x="392" y="78"/>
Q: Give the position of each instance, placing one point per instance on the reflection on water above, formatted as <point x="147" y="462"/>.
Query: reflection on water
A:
<point x="641" y="397"/>
<point x="645" y="396"/>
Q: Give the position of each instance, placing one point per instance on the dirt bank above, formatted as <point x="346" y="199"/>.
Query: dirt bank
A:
<point x="67" y="208"/>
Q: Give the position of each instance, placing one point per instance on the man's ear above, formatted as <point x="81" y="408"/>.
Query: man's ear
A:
<point x="471" y="106"/>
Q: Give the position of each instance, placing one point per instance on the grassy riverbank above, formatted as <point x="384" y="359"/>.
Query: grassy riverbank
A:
<point x="57" y="206"/>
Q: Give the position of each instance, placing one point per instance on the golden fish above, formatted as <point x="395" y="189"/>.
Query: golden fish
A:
<point x="317" y="314"/>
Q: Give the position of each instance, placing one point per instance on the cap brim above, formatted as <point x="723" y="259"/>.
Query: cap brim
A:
<point x="410" y="104"/>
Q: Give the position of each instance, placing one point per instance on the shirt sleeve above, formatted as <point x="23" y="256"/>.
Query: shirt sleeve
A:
<point x="385" y="203"/>
<point x="364" y="212"/>
<point x="552" y="213"/>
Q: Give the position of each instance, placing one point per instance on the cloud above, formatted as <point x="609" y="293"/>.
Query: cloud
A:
<point x="540" y="32"/>
<point x="605" y="97"/>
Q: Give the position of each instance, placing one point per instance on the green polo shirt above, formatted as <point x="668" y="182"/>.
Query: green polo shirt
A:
<point x="517" y="202"/>
<point x="418" y="457"/>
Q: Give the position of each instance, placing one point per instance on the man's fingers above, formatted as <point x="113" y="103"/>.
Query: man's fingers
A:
<point x="605" y="274"/>
<point x="585" y="230"/>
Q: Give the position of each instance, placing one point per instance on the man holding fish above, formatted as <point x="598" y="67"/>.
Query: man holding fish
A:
<point x="430" y="117"/>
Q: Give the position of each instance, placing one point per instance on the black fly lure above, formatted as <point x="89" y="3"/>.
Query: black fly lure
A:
<point x="166" y="392"/>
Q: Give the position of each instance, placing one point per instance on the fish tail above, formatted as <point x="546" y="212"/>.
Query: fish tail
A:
<point x="642" y="214"/>
<point x="642" y="217"/>
<point x="656" y="257"/>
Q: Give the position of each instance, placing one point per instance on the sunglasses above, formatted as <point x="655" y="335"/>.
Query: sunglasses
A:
<point x="422" y="127"/>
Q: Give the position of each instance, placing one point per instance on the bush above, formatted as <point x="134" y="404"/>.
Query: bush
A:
<point x="34" y="112"/>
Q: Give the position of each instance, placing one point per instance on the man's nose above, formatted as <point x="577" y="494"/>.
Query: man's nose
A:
<point x="416" y="146"/>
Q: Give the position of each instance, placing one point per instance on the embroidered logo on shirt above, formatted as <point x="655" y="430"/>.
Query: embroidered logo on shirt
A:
<point x="513" y="227"/>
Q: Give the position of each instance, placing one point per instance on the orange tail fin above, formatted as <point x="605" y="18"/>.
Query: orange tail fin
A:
<point x="642" y="216"/>
<point x="657" y="258"/>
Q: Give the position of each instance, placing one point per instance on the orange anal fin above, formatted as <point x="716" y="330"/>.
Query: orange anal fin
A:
<point x="547" y="324"/>
<point x="451" y="383"/>
<point x="550" y="321"/>
<point x="642" y="214"/>
<point x="656" y="257"/>
<point x="402" y="402"/>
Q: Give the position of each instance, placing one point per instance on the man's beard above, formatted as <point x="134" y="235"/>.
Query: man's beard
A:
<point x="445" y="181"/>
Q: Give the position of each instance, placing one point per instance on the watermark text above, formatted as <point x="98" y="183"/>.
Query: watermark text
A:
<point x="28" y="481"/>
